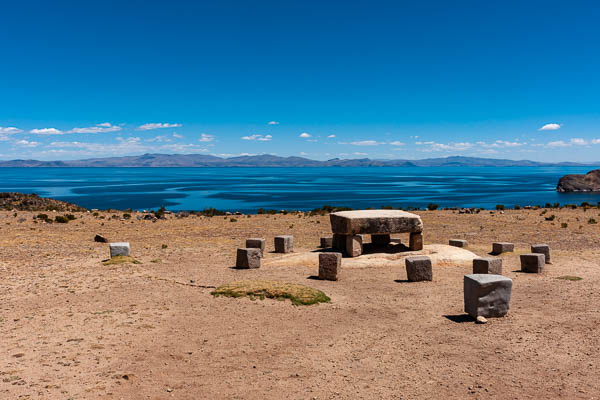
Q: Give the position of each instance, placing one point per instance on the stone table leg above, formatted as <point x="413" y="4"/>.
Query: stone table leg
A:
<point x="380" y="240"/>
<point x="339" y="242"/>
<point x="416" y="241"/>
<point x="354" y="245"/>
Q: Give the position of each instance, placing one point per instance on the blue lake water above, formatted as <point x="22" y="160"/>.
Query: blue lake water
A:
<point x="247" y="189"/>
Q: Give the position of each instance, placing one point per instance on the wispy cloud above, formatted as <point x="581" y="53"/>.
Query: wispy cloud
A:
<point x="178" y="136"/>
<point x="331" y="136"/>
<point x="9" y="130"/>
<point x="206" y="138"/>
<point x="366" y="143"/>
<point x="397" y="143"/>
<point x="159" y="138"/>
<point x="434" y="146"/>
<point x="573" y="142"/>
<point x="305" y="135"/>
<point x="260" y="138"/>
<point x="550" y="127"/>
<point x="273" y="123"/>
<point x="500" y="143"/>
<point x="147" y="127"/>
<point x="99" y="128"/>
<point x="46" y="131"/>
<point x="27" y="143"/>
<point x="558" y="143"/>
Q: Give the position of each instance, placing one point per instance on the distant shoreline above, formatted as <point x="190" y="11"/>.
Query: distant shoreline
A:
<point x="272" y="161"/>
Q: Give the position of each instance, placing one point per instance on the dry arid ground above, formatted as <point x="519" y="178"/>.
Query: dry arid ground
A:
<point x="73" y="328"/>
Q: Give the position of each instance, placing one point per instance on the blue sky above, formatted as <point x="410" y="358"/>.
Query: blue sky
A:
<point x="375" y="79"/>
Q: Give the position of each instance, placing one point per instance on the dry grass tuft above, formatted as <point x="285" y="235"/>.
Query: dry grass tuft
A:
<point x="120" y="260"/>
<point x="298" y="294"/>
<point x="570" y="278"/>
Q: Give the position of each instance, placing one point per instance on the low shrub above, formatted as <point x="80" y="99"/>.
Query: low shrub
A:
<point x="500" y="207"/>
<point x="61" y="219"/>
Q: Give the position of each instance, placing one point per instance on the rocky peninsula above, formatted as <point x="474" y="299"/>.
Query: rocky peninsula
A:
<point x="589" y="182"/>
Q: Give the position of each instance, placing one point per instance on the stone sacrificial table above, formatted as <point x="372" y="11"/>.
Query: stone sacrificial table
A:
<point x="349" y="226"/>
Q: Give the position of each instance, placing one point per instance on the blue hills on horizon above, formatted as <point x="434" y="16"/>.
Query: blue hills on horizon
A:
<point x="268" y="160"/>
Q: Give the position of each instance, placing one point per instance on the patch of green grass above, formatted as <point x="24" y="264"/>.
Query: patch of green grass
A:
<point x="298" y="294"/>
<point x="120" y="260"/>
<point x="570" y="278"/>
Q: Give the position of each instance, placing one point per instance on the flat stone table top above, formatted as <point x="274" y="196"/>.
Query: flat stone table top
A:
<point x="374" y="222"/>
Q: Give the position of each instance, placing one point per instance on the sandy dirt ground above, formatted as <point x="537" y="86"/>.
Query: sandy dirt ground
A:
<point x="73" y="328"/>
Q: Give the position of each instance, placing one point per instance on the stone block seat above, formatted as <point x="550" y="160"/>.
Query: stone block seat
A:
<point x="487" y="295"/>
<point x="119" y="249"/>
<point x="347" y="225"/>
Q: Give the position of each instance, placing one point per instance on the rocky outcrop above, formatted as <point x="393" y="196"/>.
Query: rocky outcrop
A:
<point x="33" y="202"/>
<point x="589" y="182"/>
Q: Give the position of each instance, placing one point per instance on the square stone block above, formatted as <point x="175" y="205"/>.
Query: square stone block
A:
<point x="380" y="240"/>
<point x="533" y="262"/>
<point x="326" y="242"/>
<point x="119" y="249"/>
<point x="458" y="243"/>
<point x="248" y="258"/>
<point x="487" y="266"/>
<point x="256" y="243"/>
<point x="330" y="265"/>
<point x="418" y="268"/>
<point x="416" y="241"/>
<point x="354" y="245"/>
<point x="487" y="295"/>
<point x="502" y="247"/>
<point x="284" y="244"/>
<point x="542" y="249"/>
<point x="339" y="242"/>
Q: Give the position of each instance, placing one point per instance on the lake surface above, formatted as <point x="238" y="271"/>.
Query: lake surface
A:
<point x="247" y="189"/>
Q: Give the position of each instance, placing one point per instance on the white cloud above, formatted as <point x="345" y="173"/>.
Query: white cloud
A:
<point x="356" y="153"/>
<point x="331" y="136"/>
<point x="558" y="143"/>
<point x="180" y="148"/>
<point x="366" y="143"/>
<point x="27" y="143"/>
<point x="206" y="138"/>
<point x="572" y="142"/>
<point x="159" y="138"/>
<point x="178" y="136"/>
<point x="46" y="131"/>
<point x="305" y="135"/>
<point x="147" y="127"/>
<point x="260" y="138"/>
<point x="434" y="146"/>
<point x="273" y="123"/>
<point x="500" y="144"/>
<point x="550" y="127"/>
<point x="130" y="140"/>
<point x="303" y="153"/>
<point x="99" y="128"/>
<point x="9" y="130"/>
<point x="397" y="143"/>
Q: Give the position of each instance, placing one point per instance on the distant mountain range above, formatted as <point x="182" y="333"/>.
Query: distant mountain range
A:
<point x="266" y="160"/>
